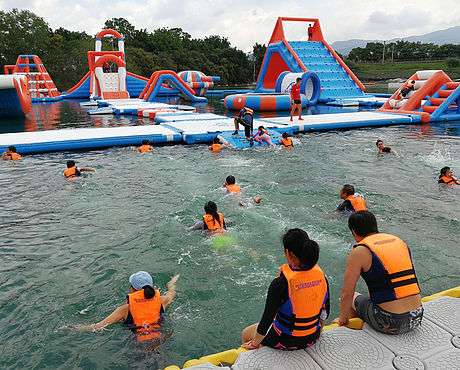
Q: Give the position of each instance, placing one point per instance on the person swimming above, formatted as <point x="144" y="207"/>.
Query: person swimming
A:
<point x="72" y="171"/>
<point x="145" y="147"/>
<point x="213" y="220"/>
<point x="286" y="141"/>
<point x="382" y="148"/>
<point x="216" y="145"/>
<point x="352" y="202"/>
<point x="230" y="185"/>
<point x="263" y="136"/>
<point x="447" y="177"/>
<point x="297" y="302"/>
<point x="11" y="155"/>
<point x="143" y="310"/>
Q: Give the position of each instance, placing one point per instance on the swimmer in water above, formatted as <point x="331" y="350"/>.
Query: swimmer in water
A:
<point x="145" y="147"/>
<point x="262" y="136"/>
<point x="230" y="185"/>
<point x="72" y="171"/>
<point x="447" y="177"/>
<point x="286" y="141"/>
<point x="216" y="145"/>
<point x="384" y="149"/>
<point x="290" y="321"/>
<point x="352" y="202"/>
<point x="213" y="220"/>
<point x="255" y="200"/>
<point x="143" y="309"/>
<point x="11" y="154"/>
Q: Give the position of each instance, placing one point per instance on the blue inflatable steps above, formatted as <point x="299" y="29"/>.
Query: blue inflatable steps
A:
<point x="240" y="142"/>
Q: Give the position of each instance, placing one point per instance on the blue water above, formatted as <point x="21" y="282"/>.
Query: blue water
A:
<point x="67" y="249"/>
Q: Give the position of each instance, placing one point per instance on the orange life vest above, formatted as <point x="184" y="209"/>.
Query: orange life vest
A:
<point x="145" y="148"/>
<point x="287" y="142"/>
<point x="358" y="203"/>
<point x="211" y="224"/>
<point x="449" y="180"/>
<point x="146" y="314"/>
<point x="12" y="156"/>
<point x="300" y="315"/>
<point x="71" y="172"/>
<point x="233" y="188"/>
<point x="391" y="275"/>
<point x="215" y="148"/>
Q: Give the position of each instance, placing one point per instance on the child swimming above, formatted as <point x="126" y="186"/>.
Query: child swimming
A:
<point x="72" y="171"/>
<point x="216" y="145"/>
<point x="352" y="202"/>
<point x="447" y="177"/>
<point x="11" y="154"/>
<point x="145" y="147"/>
<point x="286" y="141"/>
<point x="230" y="185"/>
<point x="213" y="220"/>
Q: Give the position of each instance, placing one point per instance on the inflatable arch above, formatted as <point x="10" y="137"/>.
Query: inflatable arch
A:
<point x="107" y="33"/>
<point x="310" y="86"/>
<point x="107" y="85"/>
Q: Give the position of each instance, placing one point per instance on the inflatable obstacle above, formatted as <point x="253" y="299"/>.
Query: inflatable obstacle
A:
<point x="198" y="81"/>
<point x="40" y="84"/>
<point x="106" y="75"/>
<point x="313" y="54"/>
<point x="434" y="345"/>
<point x="240" y="142"/>
<point x="261" y="102"/>
<point x="15" y="100"/>
<point x="435" y="97"/>
<point x="171" y="79"/>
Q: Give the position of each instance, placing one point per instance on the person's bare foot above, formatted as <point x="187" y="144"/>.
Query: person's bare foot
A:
<point x="290" y="119"/>
<point x="300" y="119"/>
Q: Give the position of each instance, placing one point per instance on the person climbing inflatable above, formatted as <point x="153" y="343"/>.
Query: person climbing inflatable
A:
<point x="245" y="118"/>
<point x="262" y="136"/>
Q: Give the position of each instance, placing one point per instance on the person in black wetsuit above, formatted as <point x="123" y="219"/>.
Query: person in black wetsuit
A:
<point x="297" y="300"/>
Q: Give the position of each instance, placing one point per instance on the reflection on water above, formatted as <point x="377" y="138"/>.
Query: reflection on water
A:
<point x="68" y="248"/>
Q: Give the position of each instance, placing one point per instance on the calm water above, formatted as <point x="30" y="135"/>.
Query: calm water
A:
<point x="67" y="249"/>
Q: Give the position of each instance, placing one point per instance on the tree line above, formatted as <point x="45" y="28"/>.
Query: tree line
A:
<point x="400" y="51"/>
<point x="64" y="52"/>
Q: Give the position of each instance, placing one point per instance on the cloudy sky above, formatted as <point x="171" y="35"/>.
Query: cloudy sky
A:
<point x="245" y="22"/>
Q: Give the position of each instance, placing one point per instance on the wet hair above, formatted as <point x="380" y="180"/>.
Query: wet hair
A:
<point x="378" y="142"/>
<point x="261" y="128"/>
<point x="211" y="209"/>
<point x="70" y="164"/>
<point x="348" y="189"/>
<point x="444" y="170"/>
<point x="230" y="180"/>
<point x="298" y="79"/>
<point x="149" y="292"/>
<point x="300" y="245"/>
<point x="363" y="223"/>
<point x="216" y="140"/>
<point x="285" y="135"/>
<point x="12" y="149"/>
<point x="145" y="142"/>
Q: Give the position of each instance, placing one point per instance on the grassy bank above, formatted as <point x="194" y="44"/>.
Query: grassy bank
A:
<point x="379" y="72"/>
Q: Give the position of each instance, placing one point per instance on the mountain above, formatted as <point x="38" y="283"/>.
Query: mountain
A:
<point x="448" y="36"/>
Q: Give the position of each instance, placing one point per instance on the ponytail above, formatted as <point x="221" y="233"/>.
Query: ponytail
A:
<point x="149" y="292"/>
<point x="211" y="209"/>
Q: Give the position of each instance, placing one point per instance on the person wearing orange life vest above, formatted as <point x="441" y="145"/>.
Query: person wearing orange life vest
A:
<point x="213" y="220"/>
<point x="216" y="145"/>
<point x="230" y="185"/>
<point x="145" y="147"/>
<point x="143" y="309"/>
<point x="447" y="177"/>
<point x="11" y="155"/>
<point x="384" y="262"/>
<point x="352" y="202"/>
<point x="72" y="171"/>
<point x="297" y="301"/>
<point x="286" y="141"/>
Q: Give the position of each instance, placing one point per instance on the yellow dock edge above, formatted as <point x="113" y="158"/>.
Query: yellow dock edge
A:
<point x="229" y="357"/>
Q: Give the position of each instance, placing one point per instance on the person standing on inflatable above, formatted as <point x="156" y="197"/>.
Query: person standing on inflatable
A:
<point x="245" y="118"/>
<point x="143" y="309"/>
<point x="296" y="101"/>
<point x="297" y="300"/>
<point x="310" y="32"/>
<point x="384" y="261"/>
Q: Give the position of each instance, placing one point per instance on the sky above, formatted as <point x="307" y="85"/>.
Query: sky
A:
<point x="245" y="22"/>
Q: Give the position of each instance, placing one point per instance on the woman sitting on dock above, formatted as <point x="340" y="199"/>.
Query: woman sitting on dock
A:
<point x="297" y="300"/>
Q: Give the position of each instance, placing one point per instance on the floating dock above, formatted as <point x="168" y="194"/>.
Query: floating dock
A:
<point x="433" y="345"/>
<point x="188" y="128"/>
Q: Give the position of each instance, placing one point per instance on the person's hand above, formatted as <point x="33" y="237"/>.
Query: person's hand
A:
<point x="250" y="345"/>
<point x="80" y="327"/>
<point x="173" y="281"/>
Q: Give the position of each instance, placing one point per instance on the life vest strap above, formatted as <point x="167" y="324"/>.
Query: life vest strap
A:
<point x="296" y="320"/>
<point x="404" y="282"/>
<point x="399" y="274"/>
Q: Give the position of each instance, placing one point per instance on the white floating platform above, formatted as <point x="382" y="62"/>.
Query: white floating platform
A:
<point x="165" y="118"/>
<point x="87" y="138"/>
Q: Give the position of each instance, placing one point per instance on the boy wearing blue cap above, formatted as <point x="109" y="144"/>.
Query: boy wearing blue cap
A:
<point x="143" y="309"/>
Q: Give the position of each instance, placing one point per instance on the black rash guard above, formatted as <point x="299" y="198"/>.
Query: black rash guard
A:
<point x="278" y="293"/>
<point x="345" y="206"/>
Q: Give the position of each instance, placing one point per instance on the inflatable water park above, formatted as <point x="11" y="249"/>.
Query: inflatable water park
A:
<point x="111" y="89"/>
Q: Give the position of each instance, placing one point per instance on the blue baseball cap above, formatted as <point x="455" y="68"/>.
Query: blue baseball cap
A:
<point x="140" y="279"/>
